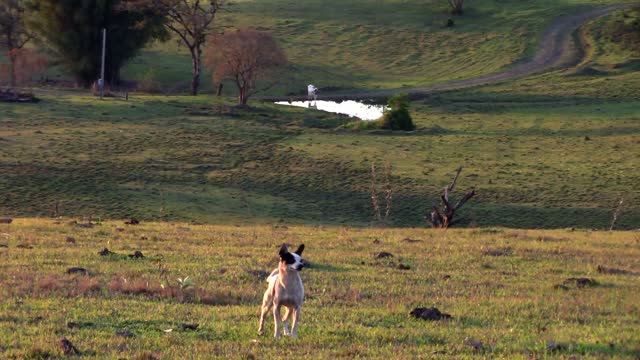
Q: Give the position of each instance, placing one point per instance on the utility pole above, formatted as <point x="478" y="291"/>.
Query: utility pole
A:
<point x="104" y="47"/>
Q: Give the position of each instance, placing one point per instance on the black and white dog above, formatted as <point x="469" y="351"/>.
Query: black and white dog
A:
<point x="285" y="289"/>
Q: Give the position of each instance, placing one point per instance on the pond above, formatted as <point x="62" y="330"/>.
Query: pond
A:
<point x="348" y="107"/>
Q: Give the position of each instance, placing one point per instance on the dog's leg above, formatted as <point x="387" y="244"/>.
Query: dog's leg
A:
<point x="285" y="320"/>
<point x="266" y="306"/>
<point x="277" y="319"/>
<point x="296" y="320"/>
<point x="265" y="309"/>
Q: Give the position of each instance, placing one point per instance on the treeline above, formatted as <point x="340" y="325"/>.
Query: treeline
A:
<point x="71" y="31"/>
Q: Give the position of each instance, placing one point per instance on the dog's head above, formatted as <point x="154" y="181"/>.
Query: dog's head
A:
<point x="293" y="259"/>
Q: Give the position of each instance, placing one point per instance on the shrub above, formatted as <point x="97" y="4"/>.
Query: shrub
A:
<point x="624" y="30"/>
<point x="397" y="117"/>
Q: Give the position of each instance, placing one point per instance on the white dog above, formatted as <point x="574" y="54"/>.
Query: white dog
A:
<point x="285" y="289"/>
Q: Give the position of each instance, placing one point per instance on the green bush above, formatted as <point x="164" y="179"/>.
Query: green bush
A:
<point x="397" y="117"/>
<point x="624" y="29"/>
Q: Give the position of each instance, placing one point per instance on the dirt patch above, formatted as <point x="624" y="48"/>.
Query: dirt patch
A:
<point x="79" y="325"/>
<point x="260" y="274"/>
<point x="614" y="271"/>
<point x="132" y="221"/>
<point x="125" y="333"/>
<point x="499" y="252"/>
<point x="78" y="271"/>
<point x="577" y="283"/>
<point x="431" y="314"/>
<point x="476" y="345"/>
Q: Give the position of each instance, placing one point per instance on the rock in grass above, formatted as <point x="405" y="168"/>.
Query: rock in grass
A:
<point x="137" y="255"/>
<point x="404" y="267"/>
<point x="189" y="326"/>
<point x="105" y="252"/>
<point x="70" y="240"/>
<point x="68" y="348"/>
<point x="382" y="255"/>
<point x="431" y="314"/>
<point x="78" y="271"/>
<point x="6" y="220"/>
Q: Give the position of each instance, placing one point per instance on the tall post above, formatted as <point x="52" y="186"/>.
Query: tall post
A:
<point x="104" y="47"/>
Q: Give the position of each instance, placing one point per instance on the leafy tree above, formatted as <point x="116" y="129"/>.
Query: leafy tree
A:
<point x="13" y="33"/>
<point x="397" y="117"/>
<point x="73" y="30"/>
<point x="192" y="21"/>
<point x="244" y="57"/>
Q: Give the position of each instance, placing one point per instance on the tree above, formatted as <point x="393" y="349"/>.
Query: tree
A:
<point x="13" y="33"/>
<point x="397" y="117"/>
<point x="456" y="6"/>
<point x="192" y="21"/>
<point x="73" y="31"/>
<point x="244" y="57"/>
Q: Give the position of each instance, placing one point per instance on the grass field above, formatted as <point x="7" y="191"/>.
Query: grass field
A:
<point x="190" y="159"/>
<point x="356" y="305"/>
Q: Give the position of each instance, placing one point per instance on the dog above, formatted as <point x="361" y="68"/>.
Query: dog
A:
<point x="285" y="289"/>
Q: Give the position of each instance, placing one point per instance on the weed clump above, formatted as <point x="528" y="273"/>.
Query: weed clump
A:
<point x="397" y="117"/>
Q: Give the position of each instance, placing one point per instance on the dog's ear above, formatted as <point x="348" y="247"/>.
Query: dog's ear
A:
<point x="300" y="249"/>
<point x="283" y="250"/>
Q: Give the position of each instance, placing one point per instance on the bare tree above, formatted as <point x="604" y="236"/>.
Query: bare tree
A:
<point x="13" y="33"/>
<point x="387" y="190"/>
<point x="456" y="6"/>
<point x="444" y="218"/>
<point x="244" y="57"/>
<point x="192" y="21"/>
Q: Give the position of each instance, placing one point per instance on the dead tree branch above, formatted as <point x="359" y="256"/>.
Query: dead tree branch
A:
<point x="444" y="218"/>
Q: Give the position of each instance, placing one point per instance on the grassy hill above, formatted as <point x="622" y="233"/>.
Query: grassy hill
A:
<point x="503" y="288"/>
<point x="365" y="44"/>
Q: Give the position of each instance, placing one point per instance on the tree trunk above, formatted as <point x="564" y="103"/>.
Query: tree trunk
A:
<point x="242" y="97"/>
<point x="12" y="69"/>
<point x="196" y="60"/>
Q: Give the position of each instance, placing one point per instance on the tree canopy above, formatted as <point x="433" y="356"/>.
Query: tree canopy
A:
<point x="244" y="57"/>
<point x="73" y="31"/>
